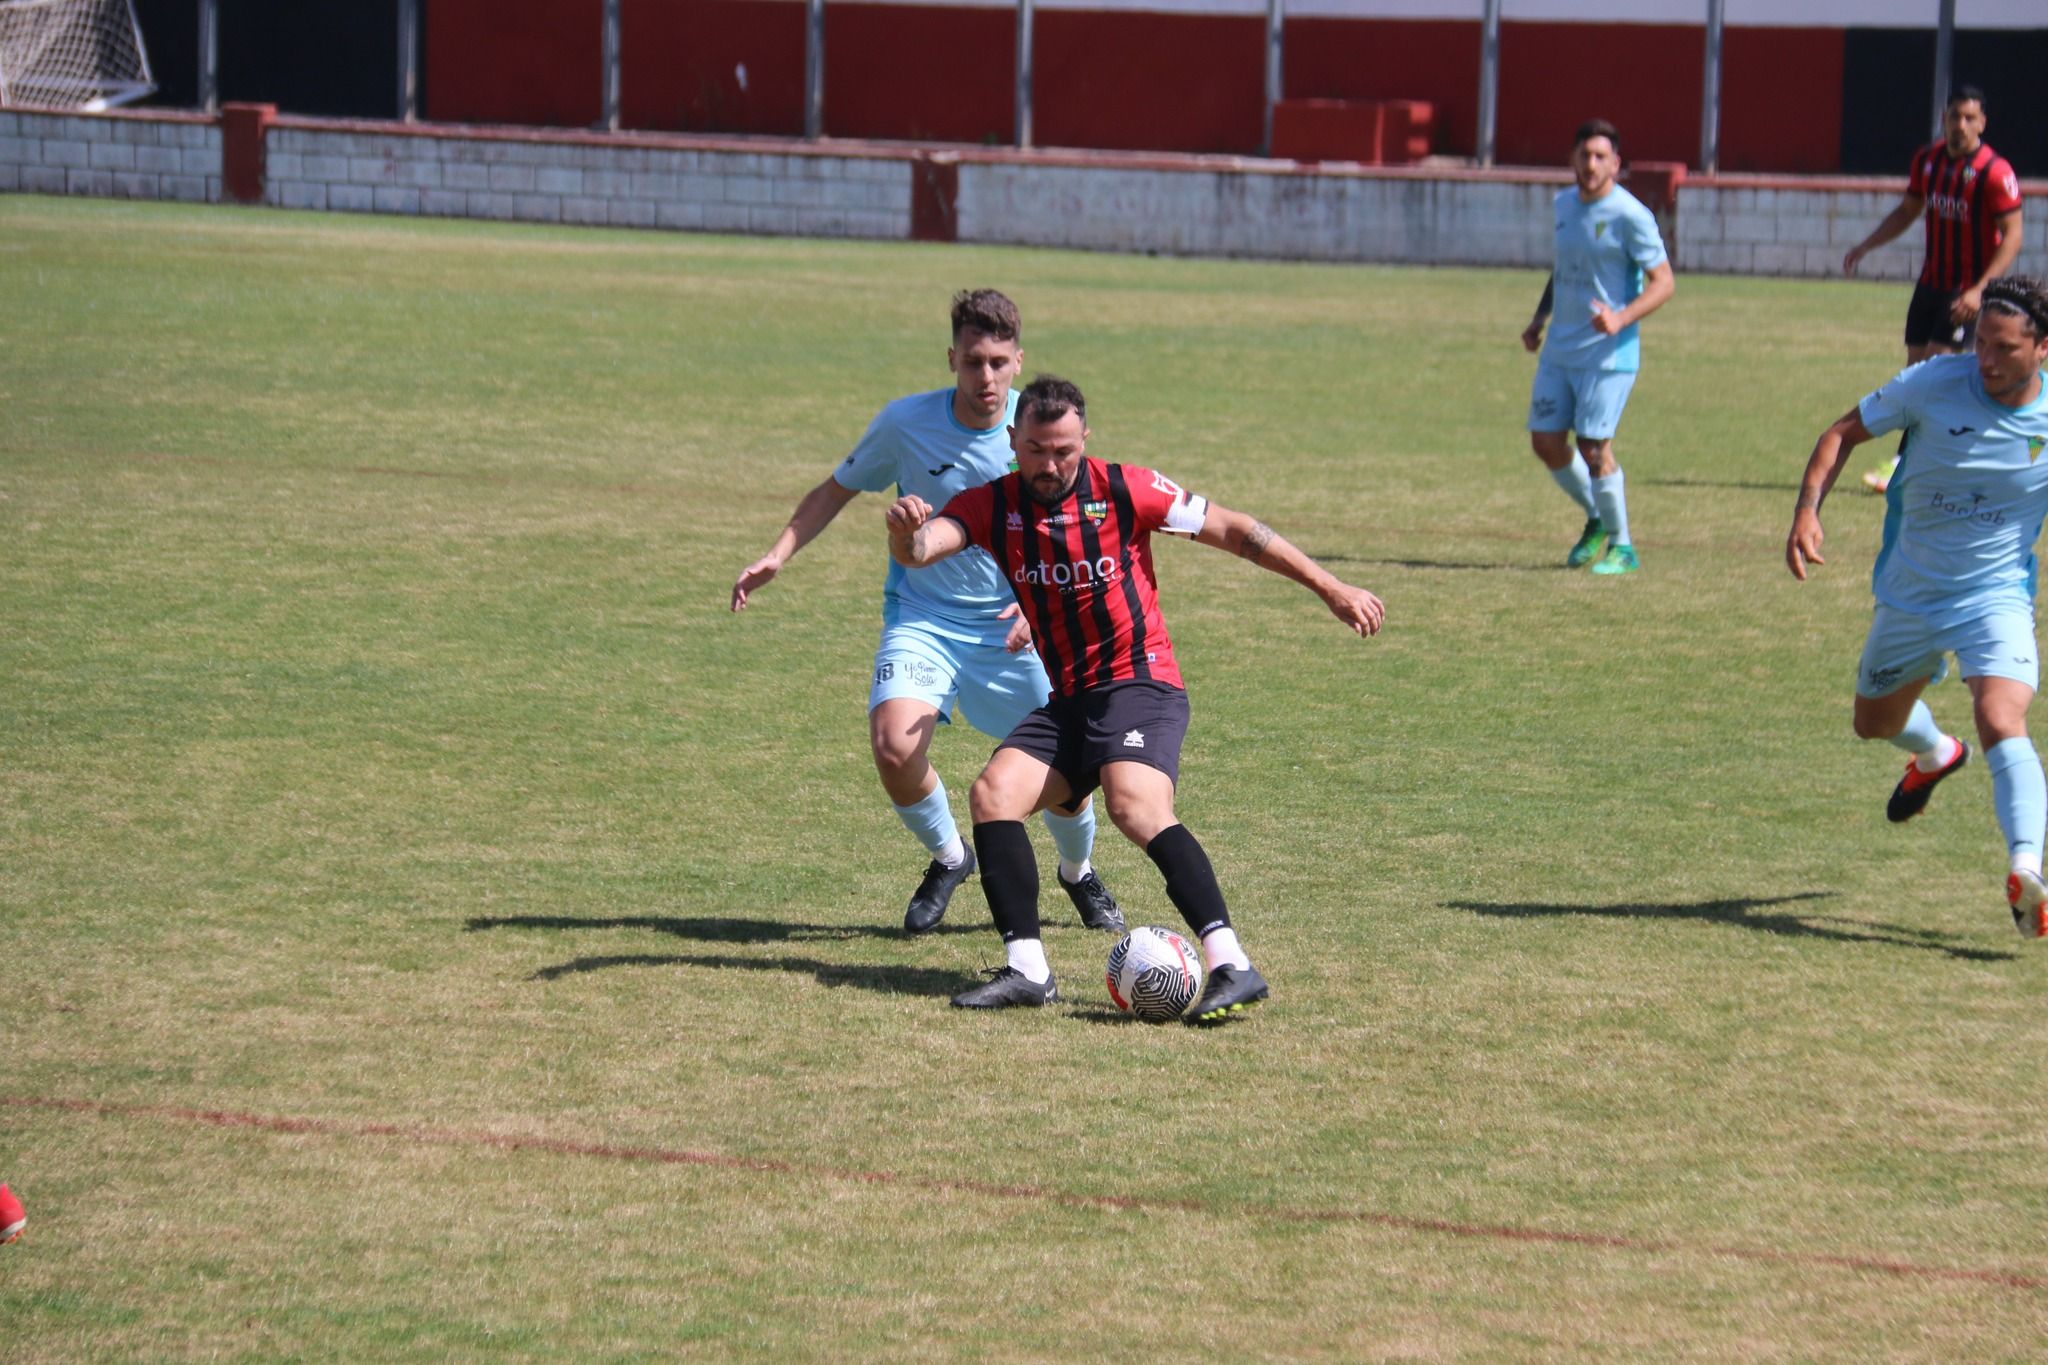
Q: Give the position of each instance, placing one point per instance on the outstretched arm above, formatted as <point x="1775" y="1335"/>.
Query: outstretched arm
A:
<point x="812" y="515"/>
<point x="1830" y="453"/>
<point x="919" y="536"/>
<point x="1903" y="215"/>
<point x="1252" y="539"/>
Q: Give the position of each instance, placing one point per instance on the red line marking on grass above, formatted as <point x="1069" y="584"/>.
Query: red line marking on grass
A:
<point x="670" y="1156"/>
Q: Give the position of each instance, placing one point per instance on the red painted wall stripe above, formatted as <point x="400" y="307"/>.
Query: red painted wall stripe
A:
<point x="514" y="1142"/>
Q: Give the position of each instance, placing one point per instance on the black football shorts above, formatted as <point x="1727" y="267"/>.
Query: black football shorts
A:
<point x="1136" y="722"/>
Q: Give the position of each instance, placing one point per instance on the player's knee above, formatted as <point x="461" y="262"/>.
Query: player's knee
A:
<point x="1874" y="727"/>
<point x="990" y="798"/>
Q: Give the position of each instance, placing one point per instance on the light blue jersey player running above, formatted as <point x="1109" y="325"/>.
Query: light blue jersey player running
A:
<point x="1612" y="272"/>
<point x="1956" y="571"/>
<point x="951" y="633"/>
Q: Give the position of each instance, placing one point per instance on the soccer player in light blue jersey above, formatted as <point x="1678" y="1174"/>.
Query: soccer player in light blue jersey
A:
<point x="1956" y="569"/>
<point x="1612" y="272"/>
<point x="951" y="633"/>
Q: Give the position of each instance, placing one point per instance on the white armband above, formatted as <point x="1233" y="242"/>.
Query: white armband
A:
<point x="1187" y="514"/>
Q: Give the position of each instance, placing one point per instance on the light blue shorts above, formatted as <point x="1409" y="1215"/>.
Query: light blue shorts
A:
<point x="1588" y="402"/>
<point x="1904" y="647"/>
<point x="993" y="689"/>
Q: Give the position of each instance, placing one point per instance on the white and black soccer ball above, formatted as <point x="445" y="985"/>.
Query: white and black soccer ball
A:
<point x="1154" y="974"/>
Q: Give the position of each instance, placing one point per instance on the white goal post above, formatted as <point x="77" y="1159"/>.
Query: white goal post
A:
<point x="71" y="54"/>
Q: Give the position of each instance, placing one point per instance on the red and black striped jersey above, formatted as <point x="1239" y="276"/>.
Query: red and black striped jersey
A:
<point x="1082" y="571"/>
<point x="1965" y="199"/>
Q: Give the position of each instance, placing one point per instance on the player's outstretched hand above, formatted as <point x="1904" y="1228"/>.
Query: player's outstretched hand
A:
<point x="1357" y="609"/>
<point x="1019" y="638"/>
<point x="907" y="513"/>
<point x="1850" y="261"/>
<point x="1532" y="336"/>
<point x="753" y="578"/>
<point x="1802" y="547"/>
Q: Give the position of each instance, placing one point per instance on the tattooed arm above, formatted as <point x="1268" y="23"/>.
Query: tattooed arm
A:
<point x="1254" y="540"/>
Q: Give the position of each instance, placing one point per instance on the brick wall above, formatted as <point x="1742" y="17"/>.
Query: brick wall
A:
<point x="1211" y="206"/>
<point x="1736" y="226"/>
<point x="602" y="182"/>
<point x="159" y="156"/>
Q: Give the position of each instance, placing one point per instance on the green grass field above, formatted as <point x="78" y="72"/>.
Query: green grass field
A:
<point x="431" y="925"/>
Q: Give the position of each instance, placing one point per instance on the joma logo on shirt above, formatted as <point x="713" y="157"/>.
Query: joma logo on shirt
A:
<point x="1970" y="511"/>
<point x="1061" y="574"/>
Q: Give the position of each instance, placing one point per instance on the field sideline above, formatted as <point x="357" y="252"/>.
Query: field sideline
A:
<point x="433" y="925"/>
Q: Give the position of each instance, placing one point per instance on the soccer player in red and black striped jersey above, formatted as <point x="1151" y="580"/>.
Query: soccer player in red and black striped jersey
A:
<point x="1970" y="200"/>
<point x="1072" y="535"/>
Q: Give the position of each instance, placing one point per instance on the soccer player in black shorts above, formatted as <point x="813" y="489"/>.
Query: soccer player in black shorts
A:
<point x="1073" y="537"/>
<point x="1970" y="200"/>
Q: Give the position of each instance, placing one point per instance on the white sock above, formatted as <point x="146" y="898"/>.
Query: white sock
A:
<point x="955" y="852"/>
<point x="1027" y="957"/>
<point x="1939" y="757"/>
<point x="1073" y="872"/>
<point x="1220" y="948"/>
<point x="2027" y="862"/>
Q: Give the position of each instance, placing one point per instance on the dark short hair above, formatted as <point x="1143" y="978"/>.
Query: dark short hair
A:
<point x="2022" y="295"/>
<point x="988" y="311"/>
<point x="1047" y="398"/>
<point x="1964" y="94"/>
<point x="1596" y="127"/>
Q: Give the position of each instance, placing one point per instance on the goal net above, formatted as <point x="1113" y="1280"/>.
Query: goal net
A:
<point x="71" y="54"/>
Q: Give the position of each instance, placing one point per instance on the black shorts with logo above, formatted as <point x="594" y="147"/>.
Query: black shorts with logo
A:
<point x="1927" y="320"/>
<point x="1136" y="722"/>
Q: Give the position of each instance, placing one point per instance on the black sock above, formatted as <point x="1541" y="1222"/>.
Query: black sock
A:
<point x="1190" y="881"/>
<point x="1009" y="876"/>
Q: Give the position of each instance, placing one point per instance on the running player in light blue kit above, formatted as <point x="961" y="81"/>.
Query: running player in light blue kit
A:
<point x="950" y="633"/>
<point x="1612" y="272"/>
<point x="1956" y="570"/>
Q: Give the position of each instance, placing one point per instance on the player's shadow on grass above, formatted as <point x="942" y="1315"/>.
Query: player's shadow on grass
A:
<point x="713" y="928"/>
<point x="1742" y="913"/>
<point x="887" y="980"/>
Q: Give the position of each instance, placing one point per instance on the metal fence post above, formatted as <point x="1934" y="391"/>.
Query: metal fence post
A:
<point x="814" y="69"/>
<point x="1489" y="80"/>
<point x="1275" y="44"/>
<point x="409" y="60"/>
<point x="1710" y="92"/>
<point x="1025" y="22"/>
<point x="209" y="55"/>
<point x="611" y="65"/>
<point x="1944" y="58"/>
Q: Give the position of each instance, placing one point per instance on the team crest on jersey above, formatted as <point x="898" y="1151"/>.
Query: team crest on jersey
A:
<point x="1599" y="230"/>
<point x="1095" y="511"/>
<point x="2034" y="445"/>
<point x="1969" y="174"/>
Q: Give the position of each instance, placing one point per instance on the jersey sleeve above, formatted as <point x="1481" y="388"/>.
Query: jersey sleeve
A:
<point x="1916" y="175"/>
<point x="872" y="467"/>
<point x="975" y="511"/>
<point x="2002" y="188"/>
<point x="1645" y="244"/>
<point x="1162" y="504"/>
<point x="1896" y="405"/>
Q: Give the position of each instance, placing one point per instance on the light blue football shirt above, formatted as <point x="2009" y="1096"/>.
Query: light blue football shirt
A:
<point x="917" y="445"/>
<point x="1603" y="248"/>
<point x="1965" y="506"/>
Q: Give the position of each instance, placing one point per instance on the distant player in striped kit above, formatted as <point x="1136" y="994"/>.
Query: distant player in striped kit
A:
<point x="1970" y="200"/>
<point x="1956" y="572"/>
<point x="1073" y="537"/>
